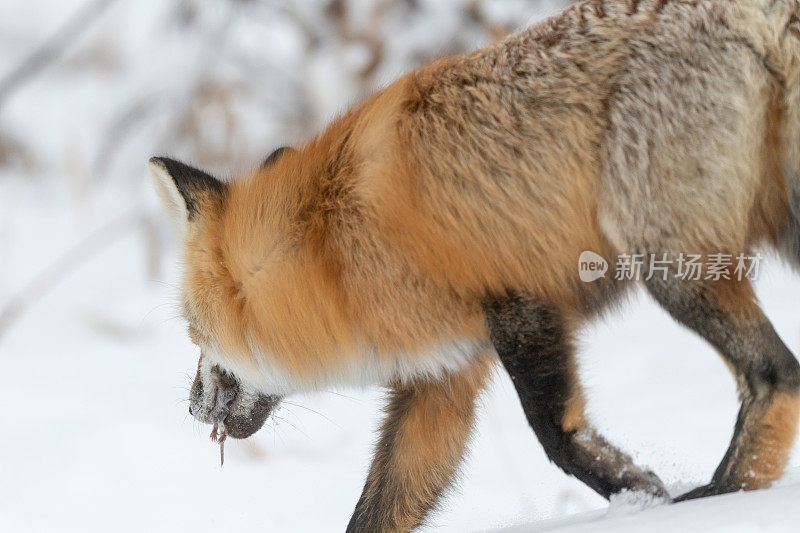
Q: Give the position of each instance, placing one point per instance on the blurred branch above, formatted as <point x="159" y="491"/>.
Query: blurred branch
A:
<point x="372" y="37"/>
<point x="122" y="126"/>
<point x="13" y="151"/>
<point x="180" y="109"/>
<point x="52" y="49"/>
<point x="69" y="262"/>
<point x="477" y="15"/>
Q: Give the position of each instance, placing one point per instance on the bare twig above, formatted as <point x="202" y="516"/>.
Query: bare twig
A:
<point x="115" y="136"/>
<point x="53" y="47"/>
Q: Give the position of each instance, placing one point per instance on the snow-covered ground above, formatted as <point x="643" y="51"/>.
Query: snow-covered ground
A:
<point x="96" y="435"/>
<point x="774" y="510"/>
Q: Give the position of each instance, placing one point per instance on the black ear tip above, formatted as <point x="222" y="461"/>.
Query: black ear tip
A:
<point x="275" y="155"/>
<point x="157" y="162"/>
<point x="175" y="168"/>
<point x="181" y="171"/>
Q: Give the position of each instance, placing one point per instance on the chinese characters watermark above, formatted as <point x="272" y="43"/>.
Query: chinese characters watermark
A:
<point x="685" y="267"/>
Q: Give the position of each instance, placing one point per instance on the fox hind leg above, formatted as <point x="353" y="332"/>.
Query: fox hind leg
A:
<point x="726" y="314"/>
<point x="789" y="235"/>
<point x="423" y="439"/>
<point x="535" y="346"/>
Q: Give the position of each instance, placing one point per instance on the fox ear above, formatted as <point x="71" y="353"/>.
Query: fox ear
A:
<point x="184" y="190"/>
<point x="275" y="155"/>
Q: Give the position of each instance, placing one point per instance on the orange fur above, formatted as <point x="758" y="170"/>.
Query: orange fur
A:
<point x="774" y="437"/>
<point x="738" y="298"/>
<point x="368" y="235"/>
<point x="574" y="418"/>
<point x="423" y="440"/>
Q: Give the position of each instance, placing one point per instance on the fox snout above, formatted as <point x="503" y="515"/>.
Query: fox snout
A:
<point x="217" y="397"/>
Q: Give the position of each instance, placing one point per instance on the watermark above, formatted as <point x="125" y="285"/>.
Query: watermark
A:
<point x="686" y="267"/>
<point x="591" y="267"/>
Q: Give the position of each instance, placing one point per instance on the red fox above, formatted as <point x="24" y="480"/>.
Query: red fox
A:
<point x="437" y="228"/>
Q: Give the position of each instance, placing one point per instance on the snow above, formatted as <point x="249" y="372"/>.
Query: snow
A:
<point x="94" y="376"/>
<point x="774" y="510"/>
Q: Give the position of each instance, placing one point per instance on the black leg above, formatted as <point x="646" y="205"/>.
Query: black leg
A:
<point x="535" y="345"/>
<point x="726" y="314"/>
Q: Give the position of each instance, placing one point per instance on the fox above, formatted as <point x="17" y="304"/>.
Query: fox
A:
<point x="433" y="233"/>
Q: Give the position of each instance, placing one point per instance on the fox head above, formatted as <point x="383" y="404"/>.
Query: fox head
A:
<point x="212" y="301"/>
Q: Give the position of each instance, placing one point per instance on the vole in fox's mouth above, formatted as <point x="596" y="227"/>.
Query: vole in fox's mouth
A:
<point x="235" y="409"/>
<point x="219" y="435"/>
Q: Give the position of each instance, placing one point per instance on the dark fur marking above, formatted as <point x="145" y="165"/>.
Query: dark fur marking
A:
<point x="634" y="7"/>
<point x="756" y="351"/>
<point x="275" y="155"/>
<point x="191" y="182"/>
<point x="763" y="60"/>
<point x="370" y="517"/>
<point x="789" y="236"/>
<point x="535" y="347"/>
<point x="661" y="4"/>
